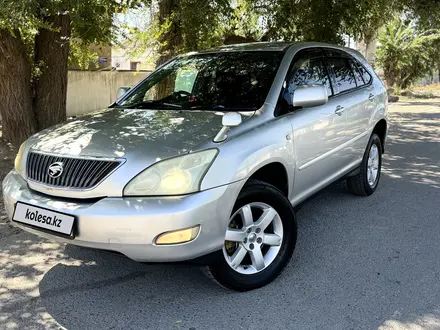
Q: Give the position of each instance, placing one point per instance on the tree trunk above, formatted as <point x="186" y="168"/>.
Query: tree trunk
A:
<point x="439" y="73"/>
<point x="170" y="42"/>
<point x="50" y="88"/>
<point x="391" y="73"/>
<point x="367" y="44"/>
<point x="172" y="39"/>
<point x="18" y="119"/>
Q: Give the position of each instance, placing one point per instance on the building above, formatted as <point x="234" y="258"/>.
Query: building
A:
<point x="122" y="59"/>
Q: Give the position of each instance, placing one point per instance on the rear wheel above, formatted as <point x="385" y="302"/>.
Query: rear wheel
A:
<point x="259" y="240"/>
<point x="365" y="182"/>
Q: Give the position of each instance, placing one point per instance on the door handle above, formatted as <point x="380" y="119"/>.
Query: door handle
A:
<point x="371" y="97"/>
<point x="339" y="110"/>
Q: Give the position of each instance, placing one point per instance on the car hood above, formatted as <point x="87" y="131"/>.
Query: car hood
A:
<point x="118" y="132"/>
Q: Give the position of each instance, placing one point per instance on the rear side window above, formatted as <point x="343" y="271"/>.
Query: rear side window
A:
<point x="344" y="77"/>
<point x="364" y="73"/>
<point x="357" y="75"/>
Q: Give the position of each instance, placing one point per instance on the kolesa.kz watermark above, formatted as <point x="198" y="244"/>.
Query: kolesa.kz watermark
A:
<point x="43" y="218"/>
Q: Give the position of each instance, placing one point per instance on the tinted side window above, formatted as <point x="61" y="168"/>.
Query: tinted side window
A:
<point x="344" y="76"/>
<point x="357" y="75"/>
<point x="308" y="69"/>
<point x="365" y="75"/>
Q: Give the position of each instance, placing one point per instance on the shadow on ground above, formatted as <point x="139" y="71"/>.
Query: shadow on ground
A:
<point x="360" y="263"/>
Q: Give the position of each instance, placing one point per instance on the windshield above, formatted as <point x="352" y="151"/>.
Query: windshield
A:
<point x="221" y="81"/>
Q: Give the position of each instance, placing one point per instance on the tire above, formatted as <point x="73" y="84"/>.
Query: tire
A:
<point x="277" y="240"/>
<point x="360" y="184"/>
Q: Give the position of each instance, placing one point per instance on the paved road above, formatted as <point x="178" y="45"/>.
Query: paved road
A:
<point x="361" y="263"/>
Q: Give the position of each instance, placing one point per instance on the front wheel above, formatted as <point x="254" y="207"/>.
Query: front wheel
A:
<point x="259" y="240"/>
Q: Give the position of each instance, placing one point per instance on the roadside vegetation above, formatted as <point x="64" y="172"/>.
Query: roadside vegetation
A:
<point x="407" y="52"/>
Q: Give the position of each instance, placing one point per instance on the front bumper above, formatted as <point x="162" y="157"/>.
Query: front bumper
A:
<point x="130" y="225"/>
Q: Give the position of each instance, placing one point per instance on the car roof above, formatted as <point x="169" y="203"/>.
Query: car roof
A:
<point x="279" y="46"/>
<point x="252" y="46"/>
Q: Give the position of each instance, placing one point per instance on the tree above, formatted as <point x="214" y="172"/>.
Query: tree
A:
<point x="426" y="13"/>
<point x="244" y="23"/>
<point x="35" y="38"/>
<point x="175" y="28"/>
<point x="186" y="25"/>
<point x="16" y="94"/>
<point x="404" y="52"/>
<point x="325" y="20"/>
<point x="434" y="55"/>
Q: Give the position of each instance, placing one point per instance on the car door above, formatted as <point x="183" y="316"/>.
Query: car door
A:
<point x="316" y="131"/>
<point x="353" y="96"/>
<point x="358" y="119"/>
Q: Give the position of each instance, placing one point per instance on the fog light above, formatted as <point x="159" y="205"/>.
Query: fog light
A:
<point x="178" y="236"/>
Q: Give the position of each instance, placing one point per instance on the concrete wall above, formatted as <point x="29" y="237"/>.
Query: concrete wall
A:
<point x="93" y="90"/>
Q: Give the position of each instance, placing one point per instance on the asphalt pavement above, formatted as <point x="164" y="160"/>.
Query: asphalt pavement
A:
<point x="360" y="263"/>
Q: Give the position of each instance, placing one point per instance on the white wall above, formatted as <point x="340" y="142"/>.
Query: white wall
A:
<point x="93" y="90"/>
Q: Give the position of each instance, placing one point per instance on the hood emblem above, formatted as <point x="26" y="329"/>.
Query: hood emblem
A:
<point x="55" y="170"/>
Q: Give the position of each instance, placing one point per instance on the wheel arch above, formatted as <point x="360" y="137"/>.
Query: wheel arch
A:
<point x="381" y="130"/>
<point x="273" y="173"/>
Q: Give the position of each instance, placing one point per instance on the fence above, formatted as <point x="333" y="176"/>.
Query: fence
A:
<point x="93" y="90"/>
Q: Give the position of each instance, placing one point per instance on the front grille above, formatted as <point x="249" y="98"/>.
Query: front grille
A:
<point x="76" y="172"/>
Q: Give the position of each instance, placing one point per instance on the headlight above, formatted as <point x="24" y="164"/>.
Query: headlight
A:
<point x="19" y="161"/>
<point x="175" y="176"/>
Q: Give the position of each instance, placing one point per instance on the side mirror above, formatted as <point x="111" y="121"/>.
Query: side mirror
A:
<point x="231" y="119"/>
<point x="121" y="91"/>
<point x="307" y="96"/>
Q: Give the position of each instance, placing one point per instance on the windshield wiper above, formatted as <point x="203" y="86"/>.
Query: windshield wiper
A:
<point x="147" y="104"/>
<point x="221" y="108"/>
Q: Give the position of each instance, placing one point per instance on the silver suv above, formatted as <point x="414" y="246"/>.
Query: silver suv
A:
<point x="205" y="159"/>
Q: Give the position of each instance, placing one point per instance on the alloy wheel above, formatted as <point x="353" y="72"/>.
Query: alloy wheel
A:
<point x="253" y="238"/>
<point x="373" y="165"/>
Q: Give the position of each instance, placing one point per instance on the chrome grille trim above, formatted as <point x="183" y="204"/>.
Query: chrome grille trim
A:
<point x="78" y="173"/>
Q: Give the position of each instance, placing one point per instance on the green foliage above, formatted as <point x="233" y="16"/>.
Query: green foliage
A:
<point x="178" y="26"/>
<point x="91" y="20"/>
<point x="404" y="52"/>
<point x="18" y="14"/>
<point x="187" y="25"/>
<point x="425" y="12"/>
<point x="201" y="22"/>
<point x="427" y="15"/>
<point x="324" y="20"/>
<point x="362" y="19"/>
<point x="81" y="55"/>
<point x="246" y="19"/>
